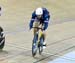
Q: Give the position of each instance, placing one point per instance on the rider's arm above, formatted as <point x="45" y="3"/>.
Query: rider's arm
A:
<point x="32" y="20"/>
<point x="46" y="21"/>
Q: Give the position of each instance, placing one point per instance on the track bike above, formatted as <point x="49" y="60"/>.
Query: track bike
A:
<point x="37" y="42"/>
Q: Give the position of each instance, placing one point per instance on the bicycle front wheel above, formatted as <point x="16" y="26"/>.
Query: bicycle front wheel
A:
<point x="34" y="45"/>
<point x="34" y="49"/>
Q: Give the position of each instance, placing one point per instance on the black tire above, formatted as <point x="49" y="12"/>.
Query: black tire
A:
<point x="2" y="43"/>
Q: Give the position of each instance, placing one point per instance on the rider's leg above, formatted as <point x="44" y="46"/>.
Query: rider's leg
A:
<point x="44" y="42"/>
<point x="44" y="35"/>
<point x="36" y="24"/>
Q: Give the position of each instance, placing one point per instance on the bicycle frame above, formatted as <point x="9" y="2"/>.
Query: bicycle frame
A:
<point x="39" y="34"/>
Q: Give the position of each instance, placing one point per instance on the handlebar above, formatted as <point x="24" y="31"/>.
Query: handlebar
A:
<point x="37" y="28"/>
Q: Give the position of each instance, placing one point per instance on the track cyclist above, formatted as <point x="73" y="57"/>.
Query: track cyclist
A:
<point x="40" y="17"/>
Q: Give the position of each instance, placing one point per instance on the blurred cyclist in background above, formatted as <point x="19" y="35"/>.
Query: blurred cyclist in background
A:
<point x="40" y="16"/>
<point x="2" y="36"/>
<point x="0" y="11"/>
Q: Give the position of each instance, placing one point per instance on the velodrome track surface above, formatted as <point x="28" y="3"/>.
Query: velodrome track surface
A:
<point x="15" y="21"/>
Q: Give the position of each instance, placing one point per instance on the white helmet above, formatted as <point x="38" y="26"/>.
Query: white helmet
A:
<point x="39" y="11"/>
